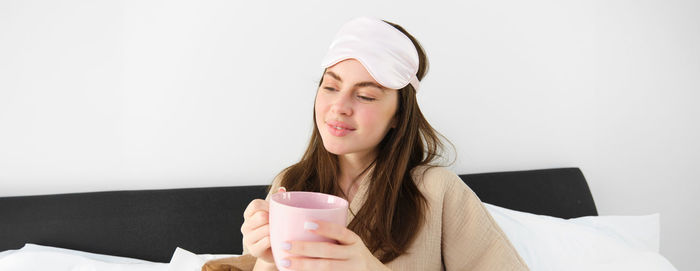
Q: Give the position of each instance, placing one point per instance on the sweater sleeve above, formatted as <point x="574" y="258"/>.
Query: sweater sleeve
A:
<point x="471" y="239"/>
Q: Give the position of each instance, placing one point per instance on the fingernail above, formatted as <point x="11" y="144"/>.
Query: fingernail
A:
<point x="285" y="263"/>
<point x="286" y="246"/>
<point x="308" y="225"/>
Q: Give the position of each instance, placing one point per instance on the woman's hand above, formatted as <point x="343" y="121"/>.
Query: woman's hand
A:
<point x="350" y="254"/>
<point x="256" y="229"/>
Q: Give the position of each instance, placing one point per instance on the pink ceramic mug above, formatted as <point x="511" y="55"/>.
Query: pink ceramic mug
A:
<point x="289" y="211"/>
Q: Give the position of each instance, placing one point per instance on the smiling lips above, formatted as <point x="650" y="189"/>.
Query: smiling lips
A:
<point x="338" y="128"/>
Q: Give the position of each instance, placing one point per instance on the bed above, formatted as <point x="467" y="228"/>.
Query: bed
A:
<point x="150" y="224"/>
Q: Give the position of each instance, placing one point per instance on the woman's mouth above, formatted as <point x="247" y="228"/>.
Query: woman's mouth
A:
<point x="338" y="128"/>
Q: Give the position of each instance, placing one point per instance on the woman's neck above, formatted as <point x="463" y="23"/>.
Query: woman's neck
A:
<point x="352" y="166"/>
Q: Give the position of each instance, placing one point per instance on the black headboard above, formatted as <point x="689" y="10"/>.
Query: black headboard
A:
<point x="559" y="192"/>
<point x="150" y="224"/>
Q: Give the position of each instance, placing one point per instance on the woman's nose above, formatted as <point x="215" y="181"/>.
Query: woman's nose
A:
<point x="342" y="105"/>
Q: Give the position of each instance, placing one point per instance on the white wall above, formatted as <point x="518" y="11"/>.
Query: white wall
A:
<point x="105" y="95"/>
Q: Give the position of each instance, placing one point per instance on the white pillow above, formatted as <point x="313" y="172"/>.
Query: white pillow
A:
<point x="641" y="261"/>
<point x="94" y="256"/>
<point x="36" y="257"/>
<point x="550" y="243"/>
<point x="6" y="252"/>
<point x="640" y="232"/>
<point x="27" y="260"/>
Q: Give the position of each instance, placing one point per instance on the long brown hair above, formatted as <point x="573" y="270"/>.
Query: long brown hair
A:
<point x="394" y="208"/>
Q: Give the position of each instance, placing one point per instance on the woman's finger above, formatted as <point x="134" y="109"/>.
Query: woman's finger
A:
<point x="311" y="264"/>
<point x="333" y="231"/>
<point x="256" y="235"/>
<point x="255" y="206"/>
<point x="258" y="219"/>
<point x="257" y="248"/>
<point x="319" y="250"/>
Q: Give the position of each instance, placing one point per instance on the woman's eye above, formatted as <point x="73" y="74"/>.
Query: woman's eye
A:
<point x="366" y="98"/>
<point x="329" y="88"/>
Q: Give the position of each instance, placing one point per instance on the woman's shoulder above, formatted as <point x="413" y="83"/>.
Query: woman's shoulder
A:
<point x="432" y="172"/>
<point x="430" y="177"/>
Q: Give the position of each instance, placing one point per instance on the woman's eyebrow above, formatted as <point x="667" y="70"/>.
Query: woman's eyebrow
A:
<point x="335" y="76"/>
<point x="369" y="84"/>
<point x="360" y="84"/>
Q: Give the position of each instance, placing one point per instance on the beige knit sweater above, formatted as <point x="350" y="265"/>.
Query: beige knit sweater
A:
<point x="458" y="234"/>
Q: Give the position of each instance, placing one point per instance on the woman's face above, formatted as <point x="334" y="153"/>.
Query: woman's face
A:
<point x="353" y="111"/>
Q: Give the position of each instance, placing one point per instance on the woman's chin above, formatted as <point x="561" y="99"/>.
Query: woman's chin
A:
<point x="336" y="151"/>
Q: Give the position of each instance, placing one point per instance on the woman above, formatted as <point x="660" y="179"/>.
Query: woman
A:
<point x="372" y="146"/>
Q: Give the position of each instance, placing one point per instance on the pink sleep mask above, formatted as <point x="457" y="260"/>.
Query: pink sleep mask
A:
<point x="387" y="54"/>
